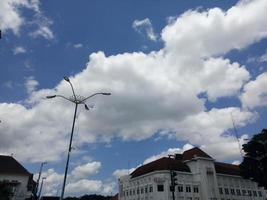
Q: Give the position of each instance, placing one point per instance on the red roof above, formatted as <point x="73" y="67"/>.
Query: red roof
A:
<point x="8" y="165"/>
<point x="179" y="165"/>
<point x="225" y="168"/>
<point x="195" y="152"/>
<point x="161" y="164"/>
<point x="116" y="197"/>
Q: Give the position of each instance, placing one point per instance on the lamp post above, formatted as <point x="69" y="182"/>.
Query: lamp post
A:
<point x="40" y="192"/>
<point x="39" y="176"/>
<point x="76" y="99"/>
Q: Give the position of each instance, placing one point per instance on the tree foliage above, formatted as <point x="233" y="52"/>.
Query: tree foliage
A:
<point x="89" y="197"/>
<point x="254" y="165"/>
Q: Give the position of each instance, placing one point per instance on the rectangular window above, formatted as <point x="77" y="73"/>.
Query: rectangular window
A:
<point x="249" y="193"/>
<point x="137" y="191"/>
<point x="150" y="189"/>
<point x="195" y="189"/>
<point x="232" y="192"/>
<point x="188" y="188"/>
<point x="260" y="194"/>
<point x="160" y="188"/>
<point x="238" y="192"/>
<point x="221" y="190"/>
<point x="133" y="191"/>
<point x="244" y="192"/>
<point x="226" y="191"/>
<point x="142" y="190"/>
<point x="180" y="188"/>
<point x="145" y="189"/>
<point x="254" y="193"/>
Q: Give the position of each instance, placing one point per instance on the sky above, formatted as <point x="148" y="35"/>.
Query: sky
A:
<point x="180" y="74"/>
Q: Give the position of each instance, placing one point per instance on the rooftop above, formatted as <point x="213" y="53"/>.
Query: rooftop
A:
<point x="8" y="165"/>
<point x="178" y="164"/>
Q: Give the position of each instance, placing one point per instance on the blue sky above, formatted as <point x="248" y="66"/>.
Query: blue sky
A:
<point x="177" y="71"/>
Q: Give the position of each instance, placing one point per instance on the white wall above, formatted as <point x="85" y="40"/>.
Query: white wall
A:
<point x="21" y="190"/>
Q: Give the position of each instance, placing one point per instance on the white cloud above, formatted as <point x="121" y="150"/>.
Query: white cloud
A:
<point x="53" y="182"/>
<point x="255" y="93"/>
<point x="170" y="151"/>
<point x="11" y="17"/>
<point x="78" y="186"/>
<point x="31" y="84"/>
<point x="121" y="172"/>
<point x="150" y="92"/>
<point x="8" y="84"/>
<point x="86" y="170"/>
<point x="145" y="26"/>
<point x="215" y="31"/>
<point x="19" y="50"/>
<point x="78" y="45"/>
<point x="263" y="58"/>
<point x="43" y="31"/>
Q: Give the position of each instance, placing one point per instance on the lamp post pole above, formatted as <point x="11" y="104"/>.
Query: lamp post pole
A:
<point x="41" y="187"/>
<point x="76" y="100"/>
<point x="39" y="176"/>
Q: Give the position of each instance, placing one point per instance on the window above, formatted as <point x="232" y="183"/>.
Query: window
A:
<point x="133" y="191"/>
<point x="238" y="192"/>
<point x="195" y="189"/>
<point x="142" y="190"/>
<point x="150" y="189"/>
<point x="260" y="194"/>
<point x="226" y="190"/>
<point x="221" y="190"/>
<point x="249" y="193"/>
<point x="145" y="189"/>
<point x="137" y="191"/>
<point x="160" y="188"/>
<point x="254" y="193"/>
<point x="244" y="192"/>
<point x="180" y="188"/>
<point x="188" y="188"/>
<point x="232" y="192"/>
<point x="127" y="193"/>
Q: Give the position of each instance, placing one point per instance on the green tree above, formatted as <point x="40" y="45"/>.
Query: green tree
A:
<point x="254" y="165"/>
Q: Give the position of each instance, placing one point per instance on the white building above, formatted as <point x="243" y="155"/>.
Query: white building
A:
<point x="16" y="177"/>
<point x="199" y="177"/>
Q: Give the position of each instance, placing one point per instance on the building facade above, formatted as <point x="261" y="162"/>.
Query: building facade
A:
<point x="199" y="177"/>
<point x="16" y="178"/>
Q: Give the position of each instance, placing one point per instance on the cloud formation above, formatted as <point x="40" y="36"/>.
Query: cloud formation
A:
<point x="19" y="50"/>
<point x="12" y="19"/>
<point x="162" y="90"/>
<point x="145" y="27"/>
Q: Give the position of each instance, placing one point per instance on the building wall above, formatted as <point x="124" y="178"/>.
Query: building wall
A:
<point x="20" y="191"/>
<point x="203" y="183"/>
<point x="150" y="185"/>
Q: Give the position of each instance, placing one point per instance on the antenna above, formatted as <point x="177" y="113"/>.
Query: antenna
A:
<point x="236" y="135"/>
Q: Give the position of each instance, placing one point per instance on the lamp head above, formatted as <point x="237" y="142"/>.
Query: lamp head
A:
<point x="51" y="96"/>
<point x="66" y="79"/>
<point x="86" y="107"/>
<point x="106" y="93"/>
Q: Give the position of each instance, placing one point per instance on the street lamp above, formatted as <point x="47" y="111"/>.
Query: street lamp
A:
<point x="39" y="176"/>
<point x="76" y="99"/>
<point x="40" y="192"/>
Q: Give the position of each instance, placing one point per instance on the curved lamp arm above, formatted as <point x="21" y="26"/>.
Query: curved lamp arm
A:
<point x="103" y="93"/>
<point x="68" y="80"/>
<point x="61" y="96"/>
